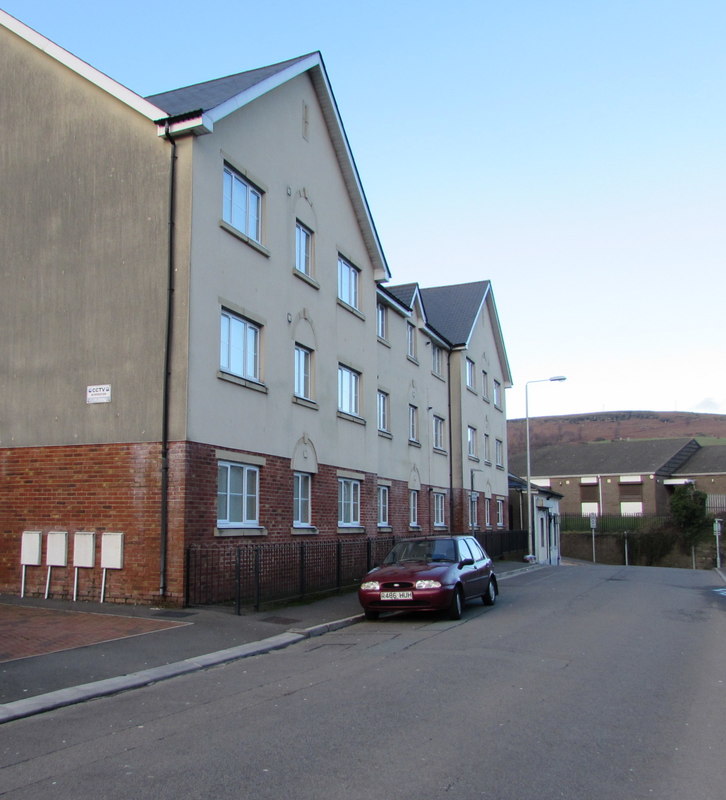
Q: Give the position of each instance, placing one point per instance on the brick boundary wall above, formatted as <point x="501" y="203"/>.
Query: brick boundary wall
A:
<point x="117" y="488"/>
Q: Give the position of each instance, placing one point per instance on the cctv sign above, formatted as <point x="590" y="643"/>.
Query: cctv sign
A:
<point x="98" y="394"/>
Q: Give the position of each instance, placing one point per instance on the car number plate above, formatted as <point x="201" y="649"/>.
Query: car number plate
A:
<point x="396" y="595"/>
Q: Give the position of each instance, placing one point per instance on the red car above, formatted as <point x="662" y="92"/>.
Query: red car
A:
<point x="430" y="574"/>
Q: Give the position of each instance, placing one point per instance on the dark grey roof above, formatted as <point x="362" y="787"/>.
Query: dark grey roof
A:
<point x="210" y="94"/>
<point x="709" y="460"/>
<point x="404" y="293"/>
<point x="452" y="310"/>
<point x="628" y="457"/>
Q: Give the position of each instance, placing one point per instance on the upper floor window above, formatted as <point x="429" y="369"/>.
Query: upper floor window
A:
<point x="303" y="249"/>
<point x="470" y="374"/>
<point x="347" y="282"/>
<point x="471" y="449"/>
<point x="437" y="360"/>
<point x="485" y="384"/>
<point x="412" y="424"/>
<point x="497" y="394"/>
<point x="242" y="204"/>
<point x="381" y="321"/>
<point x="439" y="442"/>
<point x="237" y="494"/>
<point x="239" y="346"/>
<point x="303" y="383"/>
<point x="411" y="340"/>
<point x="348" y="390"/>
<point x="487" y="448"/>
<point x="499" y="453"/>
<point x="382" y="411"/>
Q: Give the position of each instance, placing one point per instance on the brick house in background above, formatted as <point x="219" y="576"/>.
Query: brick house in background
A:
<point x="621" y="477"/>
<point x="198" y="340"/>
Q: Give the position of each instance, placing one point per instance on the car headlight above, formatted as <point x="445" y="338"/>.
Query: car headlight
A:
<point x="428" y="584"/>
<point x="369" y="586"/>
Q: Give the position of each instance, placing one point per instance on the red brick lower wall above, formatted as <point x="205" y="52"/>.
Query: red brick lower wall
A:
<point x="117" y="488"/>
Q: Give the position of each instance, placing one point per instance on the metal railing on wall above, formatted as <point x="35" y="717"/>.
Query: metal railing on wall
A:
<point x="266" y="572"/>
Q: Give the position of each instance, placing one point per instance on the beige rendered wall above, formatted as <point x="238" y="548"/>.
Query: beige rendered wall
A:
<point x="301" y="179"/>
<point x="83" y="213"/>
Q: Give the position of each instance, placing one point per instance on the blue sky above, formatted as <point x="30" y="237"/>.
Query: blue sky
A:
<point x="571" y="151"/>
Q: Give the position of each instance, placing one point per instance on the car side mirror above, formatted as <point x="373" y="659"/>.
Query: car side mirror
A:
<point x="467" y="562"/>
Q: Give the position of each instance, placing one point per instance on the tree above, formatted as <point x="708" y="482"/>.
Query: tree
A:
<point x="688" y="509"/>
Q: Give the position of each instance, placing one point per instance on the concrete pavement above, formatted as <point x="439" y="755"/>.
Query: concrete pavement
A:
<point x="57" y="653"/>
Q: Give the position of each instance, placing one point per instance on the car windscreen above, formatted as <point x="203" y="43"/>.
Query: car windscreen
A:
<point x="434" y="550"/>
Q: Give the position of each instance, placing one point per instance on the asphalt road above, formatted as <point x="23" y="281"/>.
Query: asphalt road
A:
<point x="584" y="682"/>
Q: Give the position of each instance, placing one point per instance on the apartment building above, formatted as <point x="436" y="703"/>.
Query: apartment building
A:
<point x="200" y="339"/>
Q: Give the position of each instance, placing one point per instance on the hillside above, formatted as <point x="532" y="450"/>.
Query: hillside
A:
<point x="612" y="425"/>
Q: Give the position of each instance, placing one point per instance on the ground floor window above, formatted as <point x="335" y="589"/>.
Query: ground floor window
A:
<point x="301" y="499"/>
<point x="348" y="502"/>
<point x="473" y="509"/>
<point x="413" y="508"/>
<point x="382" y="506"/>
<point x="439" y="506"/>
<point x="500" y="513"/>
<point x="237" y="495"/>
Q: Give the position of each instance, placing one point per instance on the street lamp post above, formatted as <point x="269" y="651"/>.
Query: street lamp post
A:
<point x="530" y="531"/>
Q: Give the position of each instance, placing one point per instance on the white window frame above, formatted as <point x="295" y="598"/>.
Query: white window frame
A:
<point x="303" y="372"/>
<point x="439" y="509"/>
<point x="382" y="410"/>
<point x="439" y="433"/>
<point x="348" y="503"/>
<point x="500" y="513"/>
<point x="302" y="500"/>
<point x="470" y="374"/>
<point x="487" y="449"/>
<point x="348" y="390"/>
<point x="473" y="510"/>
<point x="412" y="424"/>
<point x="411" y="341"/>
<point x="383" y="497"/>
<point x="497" y="398"/>
<point x="348" y="280"/>
<point x="413" y="508"/>
<point x="499" y="452"/>
<point x="239" y="347"/>
<point x="303" y="249"/>
<point x="471" y="442"/>
<point x="242" y="204"/>
<point x="485" y="385"/>
<point x="249" y="494"/>
<point x="381" y="321"/>
<point x="437" y="360"/>
<point x="488" y="512"/>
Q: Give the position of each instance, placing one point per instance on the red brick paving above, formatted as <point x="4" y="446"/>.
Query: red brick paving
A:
<point x="26" y="631"/>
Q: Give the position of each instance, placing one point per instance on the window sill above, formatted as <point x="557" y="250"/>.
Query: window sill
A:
<point x="303" y="401"/>
<point x="384" y="342"/>
<point x="305" y="278"/>
<point x="441" y="451"/>
<point x="385" y="434"/>
<point x="344" y="529"/>
<point x="472" y="389"/>
<point x="416" y="527"/>
<point x="385" y="529"/>
<point x="354" y="311"/>
<point x="473" y="458"/>
<point x="229" y="532"/>
<point x="351" y="417"/>
<point x="439" y="376"/>
<point x="501" y="467"/>
<point x="413" y="359"/>
<point x="243" y="237"/>
<point x="248" y="384"/>
<point x="303" y="530"/>
<point x="413" y="443"/>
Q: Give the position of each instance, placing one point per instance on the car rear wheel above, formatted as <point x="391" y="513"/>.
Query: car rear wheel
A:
<point x="457" y="605"/>
<point x="371" y="614"/>
<point x="490" y="596"/>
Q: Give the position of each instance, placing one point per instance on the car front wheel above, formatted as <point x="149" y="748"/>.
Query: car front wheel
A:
<point x="457" y="605"/>
<point x="490" y="596"/>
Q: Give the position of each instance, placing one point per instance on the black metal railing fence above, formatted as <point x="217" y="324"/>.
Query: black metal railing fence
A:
<point x="253" y="574"/>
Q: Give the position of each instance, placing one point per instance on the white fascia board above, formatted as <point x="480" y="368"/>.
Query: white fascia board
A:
<point x="392" y="302"/>
<point x="196" y="125"/>
<point x="91" y="74"/>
